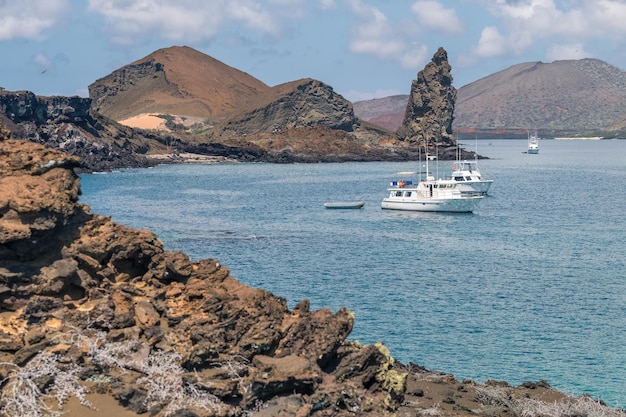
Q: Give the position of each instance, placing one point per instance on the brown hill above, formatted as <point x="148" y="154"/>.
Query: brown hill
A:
<point x="387" y="112"/>
<point x="584" y="96"/>
<point x="578" y="97"/>
<point x="301" y="103"/>
<point x="178" y="80"/>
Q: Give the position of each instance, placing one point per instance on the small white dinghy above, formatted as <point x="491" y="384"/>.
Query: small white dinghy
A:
<point x="344" y="204"/>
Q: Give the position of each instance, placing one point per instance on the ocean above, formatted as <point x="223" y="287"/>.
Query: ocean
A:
<point x="529" y="287"/>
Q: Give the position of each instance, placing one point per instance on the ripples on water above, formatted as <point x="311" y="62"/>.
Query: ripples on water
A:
<point x="531" y="286"/>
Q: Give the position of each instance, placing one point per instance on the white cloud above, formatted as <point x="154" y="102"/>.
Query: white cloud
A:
<point x="29" y="19"/>
<point x="327" y="4"/>
<point x="552" y="29"/>
<point x="129" y="21"/>
<point x="42" y="61"/>
<point x="253" y="15"/>
<point x="434" y="16"/>
<point x="608" y="16"/>
<point x="415" y="57"/>
<point x="491" y="43"/>
<point x="570" y="51"/>
<point x="525" y="23"/>
<point x="373" y="34"/>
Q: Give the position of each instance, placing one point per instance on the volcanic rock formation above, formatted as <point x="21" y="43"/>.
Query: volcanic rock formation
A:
<point x="206" y="101"/>
<point x="111" y="299"/>
<point x="429" y="111"/>
<point x="68" y="123"/>
<point x="302" y="103"/>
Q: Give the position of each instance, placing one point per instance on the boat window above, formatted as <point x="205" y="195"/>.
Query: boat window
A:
<point x="407" y="194"/>
<point x="459" y="178"/>
<point x="398" y="193"/>
<point x="468" y="178"/>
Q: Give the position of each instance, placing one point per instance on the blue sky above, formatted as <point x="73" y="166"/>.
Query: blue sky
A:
<point x="363" y="48"/>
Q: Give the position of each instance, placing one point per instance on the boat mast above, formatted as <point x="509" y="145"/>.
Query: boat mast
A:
<point x="437" y="158"/>
<point x="476" y="151"/>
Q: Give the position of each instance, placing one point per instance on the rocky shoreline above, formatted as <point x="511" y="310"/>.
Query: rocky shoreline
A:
<point x="93" y="312"/>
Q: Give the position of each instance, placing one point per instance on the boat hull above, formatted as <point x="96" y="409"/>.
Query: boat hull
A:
<point x="480" y="186"/>
<point x="456" y="205"/>
<point x="339" y="205"/>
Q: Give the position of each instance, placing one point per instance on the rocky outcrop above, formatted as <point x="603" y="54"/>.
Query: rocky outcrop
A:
<point x="67" y="274"/>
<point x="68" y="123"/>
<point x="303" y="103"/>
<point x="429" y="111"/>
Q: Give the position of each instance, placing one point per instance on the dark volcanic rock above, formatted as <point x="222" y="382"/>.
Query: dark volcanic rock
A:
<point x="429" y="111"/>
<point x="69" y="124"/>
<point x="303" y="103"/>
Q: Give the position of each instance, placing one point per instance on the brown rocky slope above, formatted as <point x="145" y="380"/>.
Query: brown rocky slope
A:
<point x="91" y="310"/>
<point x="177" y="80"/>
<point x="563" y="98"/>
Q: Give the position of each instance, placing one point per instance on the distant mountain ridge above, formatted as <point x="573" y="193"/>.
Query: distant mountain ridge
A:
<point x="573" y="97"/>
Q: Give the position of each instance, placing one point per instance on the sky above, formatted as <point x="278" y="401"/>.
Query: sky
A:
<point x="364" y="49"/>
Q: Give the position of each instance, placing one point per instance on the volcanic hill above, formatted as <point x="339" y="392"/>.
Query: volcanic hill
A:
<point x="178" y="105"/>
<point x="584" y="97"/>
<point x="179" y="81"/>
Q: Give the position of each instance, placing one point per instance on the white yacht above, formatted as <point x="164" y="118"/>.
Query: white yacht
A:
<point x="533" y="143"/>
<point x="430" y="194"/>
<point x="467" y="173"/>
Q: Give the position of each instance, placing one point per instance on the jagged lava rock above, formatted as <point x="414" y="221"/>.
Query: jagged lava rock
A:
<point x="65" y="271"/>
<point x="302" y="103"/>
<point x="68" y="123"/>
<point x="429" y="111"/>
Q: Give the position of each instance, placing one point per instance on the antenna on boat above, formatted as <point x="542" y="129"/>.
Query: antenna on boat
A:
<point x="476" y="151"/>
<point x="437" y="158"/>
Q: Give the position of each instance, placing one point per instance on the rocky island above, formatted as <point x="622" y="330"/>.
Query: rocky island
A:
<point x="96" y="317"/>
<point x="210" y="111"/>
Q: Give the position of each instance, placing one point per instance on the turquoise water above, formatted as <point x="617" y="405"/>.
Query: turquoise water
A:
<point x="530" y="286"/>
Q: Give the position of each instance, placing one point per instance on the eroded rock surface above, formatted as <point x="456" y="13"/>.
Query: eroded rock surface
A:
<point x="430" y="108"/>
<point x="66" y="272"/>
